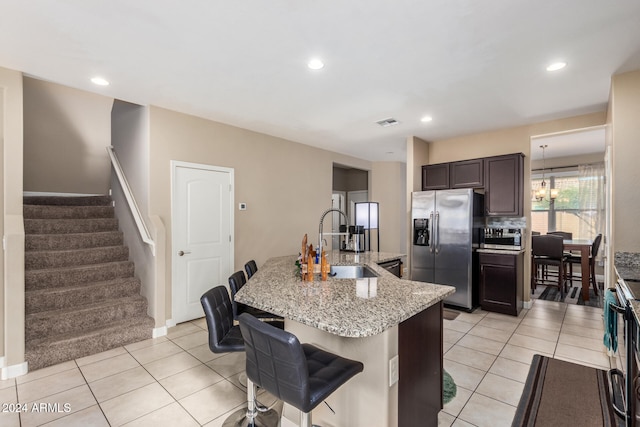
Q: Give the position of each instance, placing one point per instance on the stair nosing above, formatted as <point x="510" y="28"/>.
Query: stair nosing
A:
<point x="87" y="307"/>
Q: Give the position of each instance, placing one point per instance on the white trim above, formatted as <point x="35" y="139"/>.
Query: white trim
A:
<point x="14" y="371"/>
<point x="159" y="332"/>
<point x="174" y="165"/>
<point x="528" y="304"/>
<point x="570" y="131"/>
<point x="171" y="323"/>
<point x="1" y="361"/>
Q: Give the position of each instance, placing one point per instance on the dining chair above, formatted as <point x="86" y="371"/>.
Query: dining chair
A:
<point x="547" y="250"/>
<point x="565" y="234"/>
<point x="577" y="259"/>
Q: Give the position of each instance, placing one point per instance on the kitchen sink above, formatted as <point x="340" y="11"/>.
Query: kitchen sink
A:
<point x="351" y="272"/>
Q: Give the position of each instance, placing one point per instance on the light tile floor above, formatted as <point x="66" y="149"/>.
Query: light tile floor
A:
<point x="489" y="354"/>
<point x="176" y="381"/>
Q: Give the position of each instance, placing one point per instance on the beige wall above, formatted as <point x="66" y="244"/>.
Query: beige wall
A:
<point x="12" y="289"/>
<point x="506" y="141"/>
<point x="389" y="189"/>
<point x="286" y="185"/>
<point x="65" y="134"/>
<point x="624" y="116"/>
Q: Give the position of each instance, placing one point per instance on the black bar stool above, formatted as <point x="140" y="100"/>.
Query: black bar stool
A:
<point x="250" y="267"/>
<point x="236" y="282"/>
<point x="301" y="375"/>
<point x="226" y="337"/>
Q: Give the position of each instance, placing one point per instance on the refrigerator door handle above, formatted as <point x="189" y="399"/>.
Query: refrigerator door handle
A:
<point x="433" y="236"/>
<point x="437" y="226"/>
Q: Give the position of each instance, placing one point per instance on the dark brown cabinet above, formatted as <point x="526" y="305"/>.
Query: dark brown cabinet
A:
<point x="435" y="177"/>
<point x="501" y="282"/>
<point x="467" y="174"/>
<point x="501" y="177"/>
<point x="504" y="185"/>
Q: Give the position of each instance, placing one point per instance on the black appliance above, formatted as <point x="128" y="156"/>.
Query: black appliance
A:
<point x="624" y="382"/>
<point x="394" y="267"/>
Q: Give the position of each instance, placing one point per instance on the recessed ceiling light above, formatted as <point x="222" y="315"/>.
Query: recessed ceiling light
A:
<point x="556" y="66"/>
<point x="315" y="64"/>
<point x="426" y="119"/>
<point x="99" y="81"/>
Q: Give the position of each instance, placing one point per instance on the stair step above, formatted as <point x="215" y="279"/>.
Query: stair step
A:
<point x="61" y="226"/>
<point x="77" y="319"/>
<point x="80" y="295"/>
<point x="35" y="260"/>
<point x="69" y="276"/>
<point x="67" y="212"/>
<point x="61" y="348"/>
<point x="68" y="200"/>
<point x="53" y="242"/>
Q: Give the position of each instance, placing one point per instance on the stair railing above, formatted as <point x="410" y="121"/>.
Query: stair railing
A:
<point x="131" y="201"/>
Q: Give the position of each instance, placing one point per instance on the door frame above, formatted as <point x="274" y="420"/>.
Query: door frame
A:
<point x="175" y="164"/>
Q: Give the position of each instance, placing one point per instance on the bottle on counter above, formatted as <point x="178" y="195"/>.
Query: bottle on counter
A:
<point x="516" y="238"/>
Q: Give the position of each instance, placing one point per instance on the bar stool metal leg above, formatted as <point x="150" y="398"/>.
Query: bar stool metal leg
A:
<point x="305" y="419"/>
<point x="251" y="416"/>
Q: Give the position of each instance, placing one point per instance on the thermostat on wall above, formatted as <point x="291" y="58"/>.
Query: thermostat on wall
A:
<point x="242" y="206"/>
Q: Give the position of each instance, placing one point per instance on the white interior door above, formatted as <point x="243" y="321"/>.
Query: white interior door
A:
<point x="202" y="209"/>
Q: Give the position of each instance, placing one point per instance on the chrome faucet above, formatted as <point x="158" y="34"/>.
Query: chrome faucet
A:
<point x="320" y="239"/>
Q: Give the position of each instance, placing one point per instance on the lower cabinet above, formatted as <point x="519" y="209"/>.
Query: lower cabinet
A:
<point x="501" y="282"/>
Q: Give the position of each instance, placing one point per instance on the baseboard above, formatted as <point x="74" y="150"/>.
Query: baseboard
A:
<point x="159" y="332"/>
<point x="170" y="323"/>
<point x="528" y="304"/>
<point x="14" y="371"/>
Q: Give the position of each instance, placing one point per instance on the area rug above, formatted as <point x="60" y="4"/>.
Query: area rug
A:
<point x="572" y="296"/>
<point x="559" y="393"/>
<point x="449" y="388"/>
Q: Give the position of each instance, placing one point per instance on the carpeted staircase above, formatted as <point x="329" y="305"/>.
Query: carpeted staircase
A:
<point x="80" y="294"/>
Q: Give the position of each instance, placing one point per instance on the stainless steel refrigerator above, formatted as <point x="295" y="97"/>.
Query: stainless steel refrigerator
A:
<point x="446" y="230"/>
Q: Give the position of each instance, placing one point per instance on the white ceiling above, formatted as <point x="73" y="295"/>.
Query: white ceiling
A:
<point x="472" y="65"/>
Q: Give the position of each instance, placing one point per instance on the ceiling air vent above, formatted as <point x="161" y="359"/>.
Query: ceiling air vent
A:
<point x="387" y="122"/>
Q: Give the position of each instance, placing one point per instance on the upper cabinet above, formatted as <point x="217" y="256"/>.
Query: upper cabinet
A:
<point x="504" y="187"/>
<point x="500" y="176"/>
<point x="435" y="177"/>
<point x="467" y="174"/>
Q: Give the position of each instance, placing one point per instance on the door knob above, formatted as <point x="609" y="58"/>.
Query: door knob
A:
<point x="181" y="253"/>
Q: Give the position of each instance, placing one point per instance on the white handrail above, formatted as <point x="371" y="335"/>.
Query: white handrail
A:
<point x="133" y="206"/>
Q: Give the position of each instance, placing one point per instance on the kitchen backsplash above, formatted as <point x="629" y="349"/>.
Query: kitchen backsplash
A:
<point x="506" y="222"/>
<point x="627" y="259"/>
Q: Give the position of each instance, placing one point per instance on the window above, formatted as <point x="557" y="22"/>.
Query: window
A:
<point x="578" y="209"/>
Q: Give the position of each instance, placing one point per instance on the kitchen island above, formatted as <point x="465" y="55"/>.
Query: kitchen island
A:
<point x="393" y="326"/>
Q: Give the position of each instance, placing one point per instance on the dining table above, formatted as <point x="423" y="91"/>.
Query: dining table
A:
<point x="584" y="247"/>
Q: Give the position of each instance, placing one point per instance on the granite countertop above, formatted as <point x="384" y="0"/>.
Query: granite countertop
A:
<point x="627" y="265"/>
<point x="345" y="307"/>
